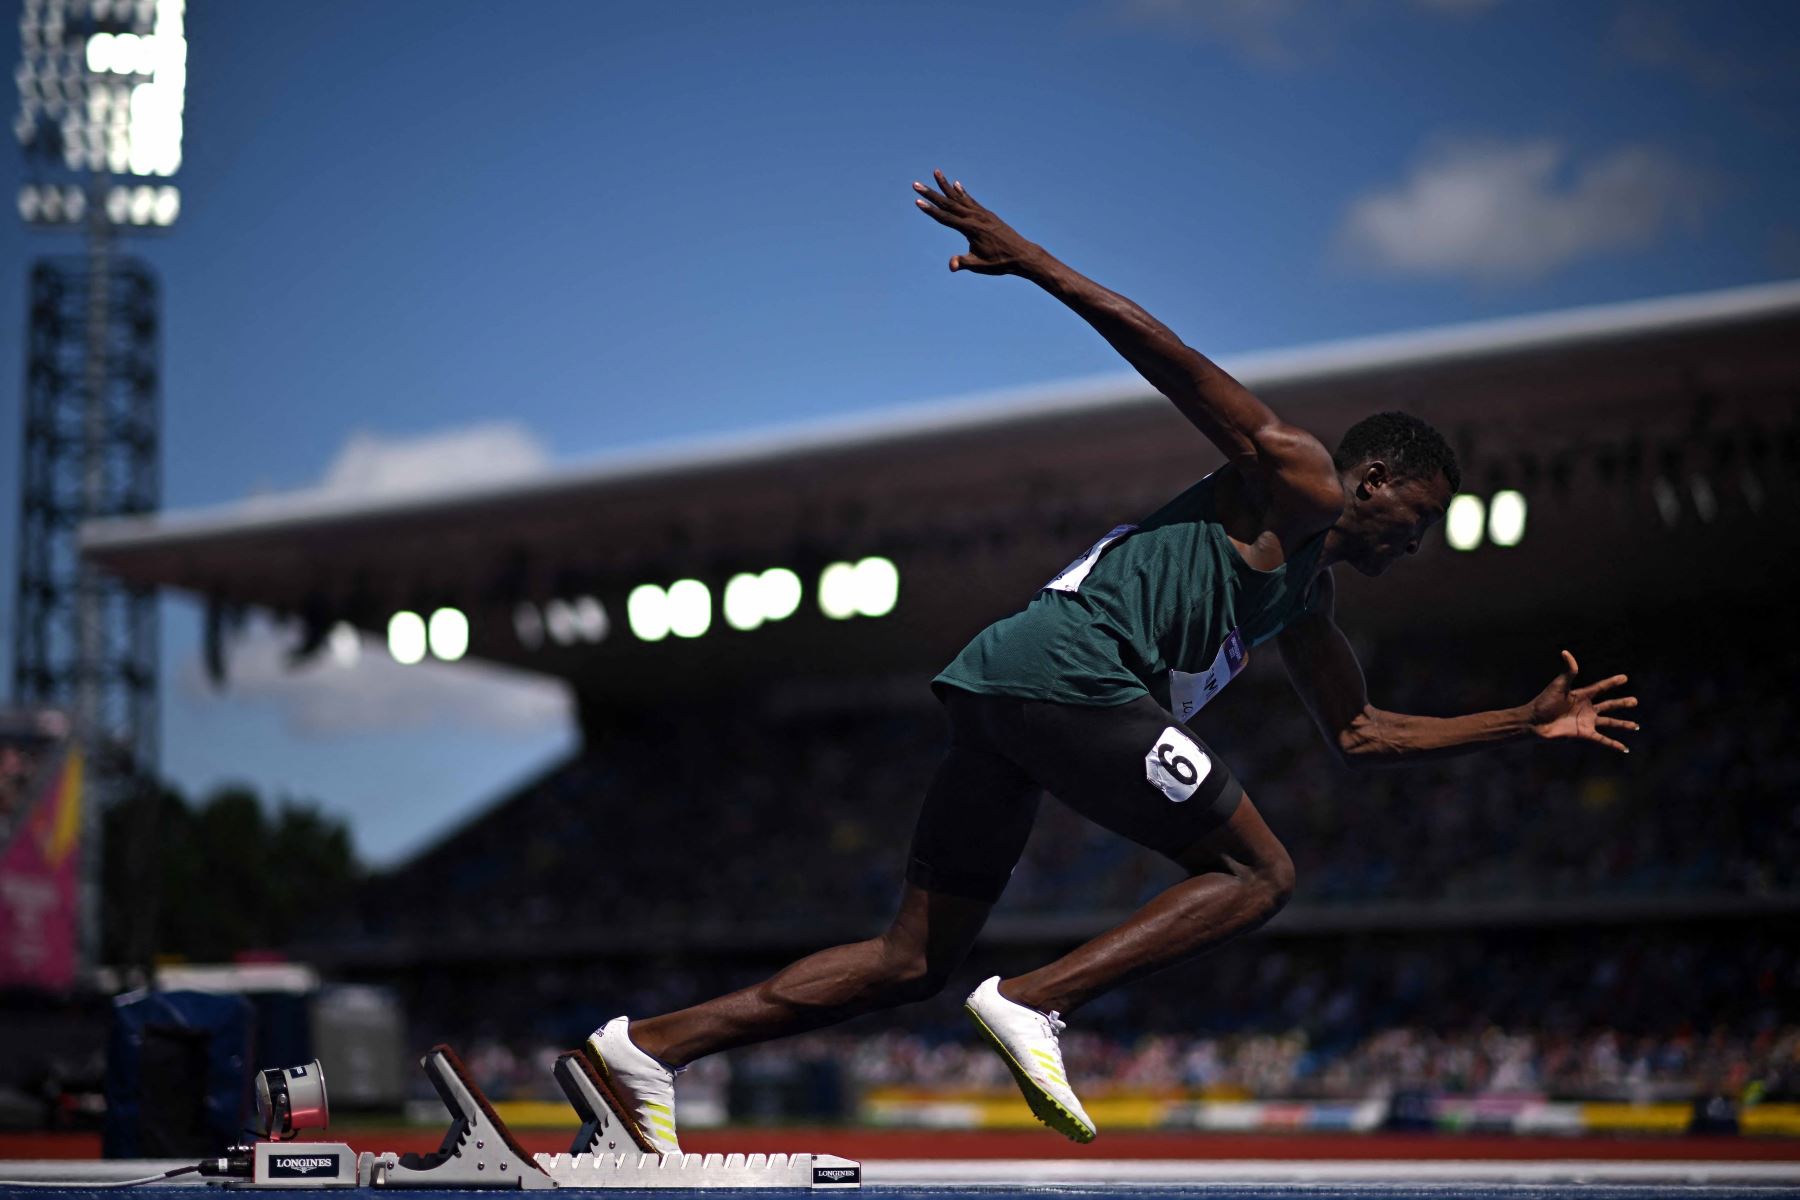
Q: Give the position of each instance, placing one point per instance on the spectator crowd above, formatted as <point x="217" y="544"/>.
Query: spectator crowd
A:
<point x="789" y="817"/>
<point x="1640" y="1014"/>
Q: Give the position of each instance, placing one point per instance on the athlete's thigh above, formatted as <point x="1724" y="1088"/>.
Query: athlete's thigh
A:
<point x="1131" y="768"/>
<point x="974" y="821"/>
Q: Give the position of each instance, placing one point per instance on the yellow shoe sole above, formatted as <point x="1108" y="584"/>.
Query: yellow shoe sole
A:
<point x="1043" y="1105"/>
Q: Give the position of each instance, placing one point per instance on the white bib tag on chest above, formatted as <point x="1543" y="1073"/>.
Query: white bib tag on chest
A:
<point x="1069" y="578"/>
<point x="1190" y="690"/>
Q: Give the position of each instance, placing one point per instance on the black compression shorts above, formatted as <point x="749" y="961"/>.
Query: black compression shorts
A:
<point x="1131" y="768"/>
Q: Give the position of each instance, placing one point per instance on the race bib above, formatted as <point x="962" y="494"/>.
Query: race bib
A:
<point x="1190" y="690"/>
<point x="1176" y="765"/>
<point x="1069" y="578"/>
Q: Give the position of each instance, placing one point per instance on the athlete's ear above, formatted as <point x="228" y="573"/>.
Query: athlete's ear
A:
<point x="1375" y="477"/>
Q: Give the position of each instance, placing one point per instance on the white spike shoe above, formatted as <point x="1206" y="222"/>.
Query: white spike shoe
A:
<point x="1026" y="1040"/>
<point x="639" y="1090"/>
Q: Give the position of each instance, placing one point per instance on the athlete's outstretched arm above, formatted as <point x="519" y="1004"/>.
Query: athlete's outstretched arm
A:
<point x="1328" y="678"/>
<point x="1291" y="462"/>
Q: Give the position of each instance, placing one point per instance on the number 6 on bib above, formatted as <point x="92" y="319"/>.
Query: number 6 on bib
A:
<point x="1176" y="765"/>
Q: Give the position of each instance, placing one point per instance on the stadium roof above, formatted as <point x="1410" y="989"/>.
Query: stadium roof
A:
<point x="977" y="478"/>
<point x="121" y="543"/>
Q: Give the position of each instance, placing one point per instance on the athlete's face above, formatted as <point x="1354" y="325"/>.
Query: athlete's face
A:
<point x="1386" y="518"/>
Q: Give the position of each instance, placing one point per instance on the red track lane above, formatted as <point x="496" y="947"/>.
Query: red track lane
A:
<point x="920" y="1143"/>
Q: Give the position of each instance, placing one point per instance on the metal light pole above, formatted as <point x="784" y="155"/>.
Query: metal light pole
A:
<point x="102" y="91"/>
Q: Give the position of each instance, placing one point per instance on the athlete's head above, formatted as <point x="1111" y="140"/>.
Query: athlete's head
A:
<point x="1398" y="475"/>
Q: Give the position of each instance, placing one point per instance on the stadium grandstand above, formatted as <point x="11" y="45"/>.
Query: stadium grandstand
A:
<point x="748" y="625"/>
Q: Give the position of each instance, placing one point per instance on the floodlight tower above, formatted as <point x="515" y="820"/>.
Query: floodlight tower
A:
<point x="102" y="89"/>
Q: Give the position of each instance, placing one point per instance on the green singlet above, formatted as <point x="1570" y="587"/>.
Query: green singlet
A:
<point x="1166" y="608"/>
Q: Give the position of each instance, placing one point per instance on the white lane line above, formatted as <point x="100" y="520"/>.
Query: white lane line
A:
<point x="1031" y="1172"/>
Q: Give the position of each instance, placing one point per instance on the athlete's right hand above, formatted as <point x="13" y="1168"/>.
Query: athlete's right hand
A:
<point x="995" y="248"/>
<point x="1563" y="710"/>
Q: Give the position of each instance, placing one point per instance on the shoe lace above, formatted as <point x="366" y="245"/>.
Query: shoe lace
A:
<point x="1054" y="1020"/>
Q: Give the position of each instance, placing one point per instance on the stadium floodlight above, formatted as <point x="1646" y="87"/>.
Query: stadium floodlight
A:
<point x="156" y="107"/>
<point x="141" y="206"/>
<point x="868" y="588"/>
<point x="754" y="598"/>
<point x="647" y="612"/>
<point x="110" y="101"/>
<point x="1706" y="501"/>
<point x="780" y="593"/>
<point x="99" y="53"/>
<point x="122" y="54"/>
<point x="345" y="644"/>
<point x="50" y="204"/>
<point x="690" y="608"/>
<point x="837" y="591"/>
<point x="1668" y="500"/>
<point x="449" y="634"/>
<point x="406" y="637"/>
<point x="591" y="622"/>
<point x="528" y="625"/>
<point x="745" y="603"/>
<point x="877" y="586"/>
<point x="559" y="619"/>
<point x="1462" y="521"/>
<point x="1506" y="518"/>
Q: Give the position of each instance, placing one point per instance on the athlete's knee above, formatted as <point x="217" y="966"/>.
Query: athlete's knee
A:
<point x="1264" y="865"/>
<point x="1274" y="877"/>
<point x="913" y="958"/>
<point x="1246" y="850"/>
<point x="907" y="972"/>
<point x="1263" y="871"/>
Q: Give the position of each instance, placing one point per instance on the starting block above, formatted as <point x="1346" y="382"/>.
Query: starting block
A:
<point x="637" y="1170"/>
<point x="479" y="1152"/>
<point x="601" y="1131"/>
<point x="605" y="1154"/>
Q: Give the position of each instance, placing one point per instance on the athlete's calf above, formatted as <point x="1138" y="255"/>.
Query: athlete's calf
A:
<point x="911" y="960"/>
<point x="1240" y="876"/>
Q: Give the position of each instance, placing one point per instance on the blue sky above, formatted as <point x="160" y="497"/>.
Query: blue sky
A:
<point x="575" y="227"/>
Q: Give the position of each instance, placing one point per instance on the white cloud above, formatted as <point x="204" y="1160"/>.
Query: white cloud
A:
<point x="377" y="694"/>
<point x="372" y="465"/>
<point x="1509" y="211"/>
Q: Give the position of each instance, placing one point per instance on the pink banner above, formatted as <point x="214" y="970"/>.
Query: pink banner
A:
<point x="40" y="886"/>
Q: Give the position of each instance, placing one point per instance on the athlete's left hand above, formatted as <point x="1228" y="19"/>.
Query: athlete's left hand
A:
<point x="1563" y="710"/>
<point x="995" y="248"/>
